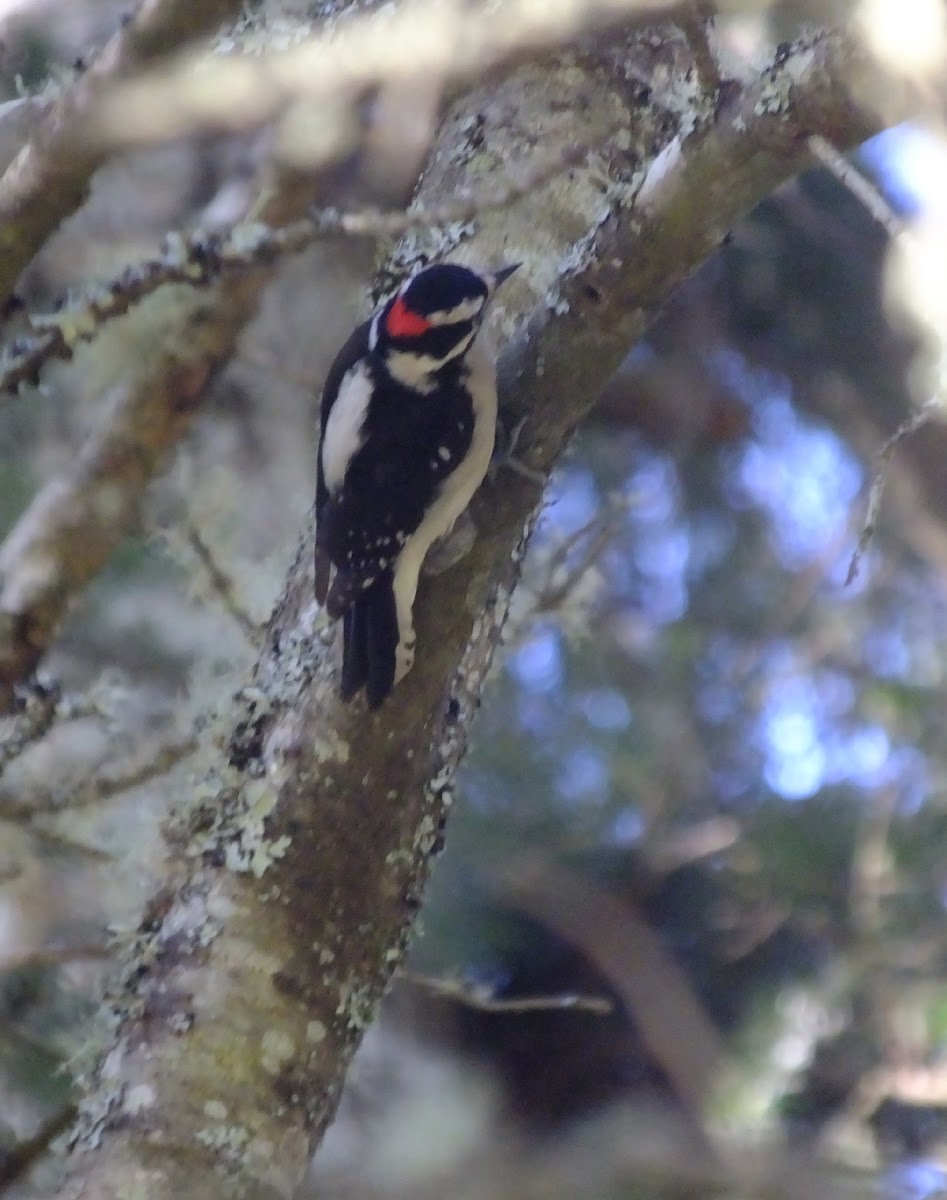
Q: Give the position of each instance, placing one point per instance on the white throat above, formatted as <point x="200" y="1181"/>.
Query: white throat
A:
<point x="417" y="371"/>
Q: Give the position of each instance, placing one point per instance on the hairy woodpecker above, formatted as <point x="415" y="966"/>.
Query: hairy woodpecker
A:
<point x="408" y="423"/>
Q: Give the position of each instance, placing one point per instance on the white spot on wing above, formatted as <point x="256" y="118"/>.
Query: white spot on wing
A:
<point x="343" y="436"/>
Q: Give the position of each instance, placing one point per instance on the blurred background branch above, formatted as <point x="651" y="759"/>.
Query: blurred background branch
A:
<point x="49" y="177"/>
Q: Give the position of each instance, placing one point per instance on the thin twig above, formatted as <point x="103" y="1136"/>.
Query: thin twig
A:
<point x="860" y="187"/>
<point x="617" y="939"/>
<point x="39" y="701"/>
<point x="197" y="259"/>
<point x="876" y="494"/>
<point x="221" y="584"/>
<point x="200" y="258"/>
<point x="54" y="956"/>
<point x="18" y="120"/>
<point x="505" y="456"/>
<point x="18" y="805"/>
<point x="484" y="1000"/>
<point x="52" y="841"/>
<point x="879" y="208"/>
<point x="133" y="775"/>
<point x="596" y="535"/>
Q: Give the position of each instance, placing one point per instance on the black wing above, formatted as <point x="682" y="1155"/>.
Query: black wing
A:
<point x="355" y="348"/>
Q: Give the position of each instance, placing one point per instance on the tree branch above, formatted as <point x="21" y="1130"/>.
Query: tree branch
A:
<point x="162" y="368"/>
<point x="415" y="41"/>
<point x="643" y="973"/>
<point x="49" y="178"/>
<point x="222" y="586"/>
<point x="201" y="258"/>
<point x="115" y="778"/>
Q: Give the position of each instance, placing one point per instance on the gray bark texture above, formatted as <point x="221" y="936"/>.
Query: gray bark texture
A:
<point x="298" y="861"/>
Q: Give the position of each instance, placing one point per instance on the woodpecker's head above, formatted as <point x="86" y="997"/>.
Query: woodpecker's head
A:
<point x="432" y="320"/>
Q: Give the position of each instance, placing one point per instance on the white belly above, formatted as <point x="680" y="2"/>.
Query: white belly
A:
<point x="456" y="493"/>
<point x="458" y="488"/>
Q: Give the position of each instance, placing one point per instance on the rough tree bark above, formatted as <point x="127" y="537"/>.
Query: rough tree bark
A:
<point x="298" y="862"/>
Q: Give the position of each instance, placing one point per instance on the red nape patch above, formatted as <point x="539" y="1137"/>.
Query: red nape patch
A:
<point x="403" y="323"/>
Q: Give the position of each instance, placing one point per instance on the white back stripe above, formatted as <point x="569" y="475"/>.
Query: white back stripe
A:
<point x="343" y="437"/>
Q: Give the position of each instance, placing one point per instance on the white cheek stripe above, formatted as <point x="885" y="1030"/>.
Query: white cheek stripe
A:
<point x="343" y="436"/>
<point x="415" y="370"/>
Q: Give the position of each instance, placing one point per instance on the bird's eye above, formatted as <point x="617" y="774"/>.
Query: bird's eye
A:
<point x="401" y="322"/>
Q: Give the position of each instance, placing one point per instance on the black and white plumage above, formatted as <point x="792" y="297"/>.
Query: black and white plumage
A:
<point x="408" y="424"/>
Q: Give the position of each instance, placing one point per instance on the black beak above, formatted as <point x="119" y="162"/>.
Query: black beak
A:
<point x="505" y="273"/>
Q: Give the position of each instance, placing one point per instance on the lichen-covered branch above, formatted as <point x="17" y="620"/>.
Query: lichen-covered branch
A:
<point x="36" y="711"/>
<point x="49" y="178"/>
<point x="201" y="257"/>
<point x="298" y="866"/>
<point x="195" y="259"/>
<point x="151" y="762"/>
<point x="70" y="529"/>
<point x="414" y="41"/>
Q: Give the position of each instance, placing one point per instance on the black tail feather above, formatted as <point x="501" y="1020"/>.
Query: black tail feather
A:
<point x="370" y="642"/>
<point x="354" y="650"/>
<point x="382" y="641"/>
